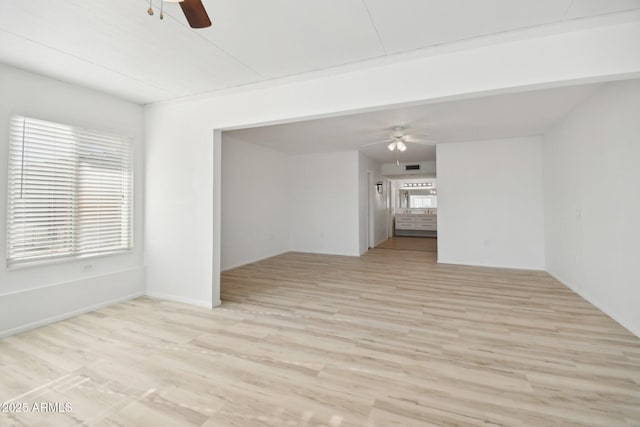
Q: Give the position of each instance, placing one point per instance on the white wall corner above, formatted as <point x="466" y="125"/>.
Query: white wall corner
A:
<point x="178" y="298"/>
<point x="583" y="293"/>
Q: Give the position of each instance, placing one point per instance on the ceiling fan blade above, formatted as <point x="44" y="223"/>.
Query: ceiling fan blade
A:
<point x="418" y="140"/>
<point x="195" y="13"/>
<point x="377" y="142"/>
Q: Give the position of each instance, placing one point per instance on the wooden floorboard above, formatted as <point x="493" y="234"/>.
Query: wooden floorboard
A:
<point x="412" y="243"/>
<point x="387" y="339"/>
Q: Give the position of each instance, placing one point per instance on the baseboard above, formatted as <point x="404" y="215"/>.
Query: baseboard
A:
<point x="306" y="251"/>
<point x="176" y="298"/>
<point x="380" y="241"/>
<point x="42" y="322"/>
<point x="508" y="267"/>
<point x="635" y="331"/>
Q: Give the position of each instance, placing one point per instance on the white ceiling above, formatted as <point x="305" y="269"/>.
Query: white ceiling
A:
<point x="489" y="117"/>
<point x="114" y="46"/>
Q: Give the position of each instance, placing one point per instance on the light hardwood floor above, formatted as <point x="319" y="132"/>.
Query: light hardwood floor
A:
<point x="388" y="339"/>
<point x="413" y="243"/>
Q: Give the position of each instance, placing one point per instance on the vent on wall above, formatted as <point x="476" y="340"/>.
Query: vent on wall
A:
<point x="412" y="167"/>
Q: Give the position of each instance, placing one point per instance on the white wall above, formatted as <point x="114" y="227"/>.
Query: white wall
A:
<point x="256" y="193"/>
<point x="490" y="208"/>
<point x="592" y="201"/>
<point x="365" y="190"/>
<point x="34" y="295"/>
<point x="324" y="203"/>
<point x="182" y="165"/>
<point x="305" y="203"/>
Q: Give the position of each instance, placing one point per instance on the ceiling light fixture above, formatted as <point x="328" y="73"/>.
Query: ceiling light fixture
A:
<point x="417" y="184"/>
<point x="397" y="144"/>
<point x="150" y="10"/>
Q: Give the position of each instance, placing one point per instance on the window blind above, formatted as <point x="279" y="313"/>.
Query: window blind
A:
<point x="69" y="191"/>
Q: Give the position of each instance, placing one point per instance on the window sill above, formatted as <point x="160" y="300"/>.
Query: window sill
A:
<point x="20" y="265"/>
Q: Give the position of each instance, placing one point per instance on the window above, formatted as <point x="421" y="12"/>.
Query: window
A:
<point x="70" y="192"/>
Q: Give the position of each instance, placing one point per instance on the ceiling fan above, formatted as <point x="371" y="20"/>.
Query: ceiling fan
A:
<point x="193" y="10"/>
<point x="399" y="139"/>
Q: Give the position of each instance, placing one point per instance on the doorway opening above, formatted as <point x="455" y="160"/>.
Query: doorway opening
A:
<point x="413" y="213"/>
